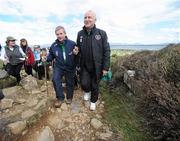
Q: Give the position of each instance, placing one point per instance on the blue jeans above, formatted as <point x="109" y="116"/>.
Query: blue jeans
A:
<point x="57" y="82"/>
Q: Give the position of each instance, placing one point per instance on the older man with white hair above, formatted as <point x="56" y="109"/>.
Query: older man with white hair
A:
<point x="94" y="57"/>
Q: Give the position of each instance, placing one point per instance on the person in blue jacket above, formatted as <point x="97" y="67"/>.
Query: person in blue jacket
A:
<point x="62" y="51"/>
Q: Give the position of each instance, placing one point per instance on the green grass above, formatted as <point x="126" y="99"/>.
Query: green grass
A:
<point x="120" y="113"/>
<point x="121" y="52"/>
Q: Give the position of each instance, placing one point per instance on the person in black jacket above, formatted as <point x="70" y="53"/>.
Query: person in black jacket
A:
<point x="94" y="51"/>
<point x="65" y="64"/>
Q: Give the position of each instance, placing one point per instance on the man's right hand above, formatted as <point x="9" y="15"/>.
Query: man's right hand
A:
<point x="76" y="50"/>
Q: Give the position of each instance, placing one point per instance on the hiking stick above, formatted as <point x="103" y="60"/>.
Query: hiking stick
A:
<point x="45" y="69"/>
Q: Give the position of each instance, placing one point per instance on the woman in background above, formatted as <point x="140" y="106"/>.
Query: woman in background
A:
<point x="29" y="61"/>
<point x="13" y="57"/>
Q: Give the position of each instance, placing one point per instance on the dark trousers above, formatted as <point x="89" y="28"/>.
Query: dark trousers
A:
<point x="40" y="69"/>
<point x="28" y="69"/>
<point x="14" y="70"/>
<point x="89" y="83"/>
<point x="57" y="82"/>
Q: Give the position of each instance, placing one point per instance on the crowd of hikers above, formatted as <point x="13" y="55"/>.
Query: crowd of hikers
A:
<point x="89" y="57"/>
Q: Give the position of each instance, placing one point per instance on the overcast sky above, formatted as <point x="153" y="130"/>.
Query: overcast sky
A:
<point x="125" y="21"/>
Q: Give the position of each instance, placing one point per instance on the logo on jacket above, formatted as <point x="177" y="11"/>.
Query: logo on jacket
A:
<point x="98" y="37"/>
<point x="81" y="37"/>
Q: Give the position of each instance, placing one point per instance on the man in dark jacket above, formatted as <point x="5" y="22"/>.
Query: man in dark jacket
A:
<point x="62" y="51"/>
<point x="94" y="57"/>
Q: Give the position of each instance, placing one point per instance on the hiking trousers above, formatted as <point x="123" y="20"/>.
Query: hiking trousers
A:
<point x="89" y="83"/>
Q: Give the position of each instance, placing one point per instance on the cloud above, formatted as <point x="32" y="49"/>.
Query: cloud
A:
<point x="124" y="21"/>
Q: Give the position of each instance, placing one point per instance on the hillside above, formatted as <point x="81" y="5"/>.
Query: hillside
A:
<point x="155" y="87"/>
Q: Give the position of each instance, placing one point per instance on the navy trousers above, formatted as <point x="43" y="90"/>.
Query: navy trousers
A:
<point x="57" y="82"/>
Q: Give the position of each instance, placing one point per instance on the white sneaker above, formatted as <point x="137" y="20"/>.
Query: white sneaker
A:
<point x="93" y="106"/>
<point x="87" y="96"/>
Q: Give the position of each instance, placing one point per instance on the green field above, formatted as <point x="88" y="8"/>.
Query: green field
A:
<point x="121" y="52"/>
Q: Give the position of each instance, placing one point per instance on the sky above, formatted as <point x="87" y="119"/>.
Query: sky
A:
<point x="125" y="21"/>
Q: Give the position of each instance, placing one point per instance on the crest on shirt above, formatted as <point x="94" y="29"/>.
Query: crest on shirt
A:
<point x="98" y="37"/>
<point x="81" y="38"/>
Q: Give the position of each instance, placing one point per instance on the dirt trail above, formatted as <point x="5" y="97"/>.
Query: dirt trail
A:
<point x="73" y="122"/>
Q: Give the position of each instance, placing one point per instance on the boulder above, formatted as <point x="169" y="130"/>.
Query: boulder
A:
<point x="46" y="135"/>
<point x="17" y="127"/>
<point x="6" y="103"/>
<point x="95" y="123"/>
<point x="29" y="83"/>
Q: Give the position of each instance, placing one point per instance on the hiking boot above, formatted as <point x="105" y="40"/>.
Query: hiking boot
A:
<point x="93" y="106"/>
<point x="87" y="96"/>
<point x="68" y="101"/>
<point x="58" y="103"/>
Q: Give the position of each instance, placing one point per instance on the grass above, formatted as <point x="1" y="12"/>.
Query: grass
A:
<point x="121" y="52"/>
<point x="121" y="108"/>
<point x="121" y="114"/>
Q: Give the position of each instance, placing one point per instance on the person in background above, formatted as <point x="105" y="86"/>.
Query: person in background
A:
<point x="44" y="65"/>
<point x="94" y="50"/>
<point x="38" y="66"/>
<point x="13" y="57"/>
<point x="29" y="61"/>
<point x="65" y="64"/>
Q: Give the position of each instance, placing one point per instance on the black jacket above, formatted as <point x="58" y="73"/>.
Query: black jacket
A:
<point x="100" y="49"/>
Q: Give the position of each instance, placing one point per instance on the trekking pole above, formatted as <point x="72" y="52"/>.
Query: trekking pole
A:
<point x="45" y="69"/>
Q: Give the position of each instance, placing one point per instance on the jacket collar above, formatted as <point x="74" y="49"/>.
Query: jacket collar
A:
<point x="92" y="30"/>
<point x="61" y="43"/>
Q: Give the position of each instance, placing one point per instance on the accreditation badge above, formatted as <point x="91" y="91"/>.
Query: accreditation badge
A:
<point x="97" y="37"/>
<point x="81" y="38"/>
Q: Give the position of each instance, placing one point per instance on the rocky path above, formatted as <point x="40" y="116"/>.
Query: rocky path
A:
<point x="32" y="117"/>
<point x="73" y="122"/>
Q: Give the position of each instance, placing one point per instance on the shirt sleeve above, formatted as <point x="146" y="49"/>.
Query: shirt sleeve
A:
<point x="3" y="55"/>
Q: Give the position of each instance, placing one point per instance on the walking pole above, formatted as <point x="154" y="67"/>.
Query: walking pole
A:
<point x="45" y="69"/>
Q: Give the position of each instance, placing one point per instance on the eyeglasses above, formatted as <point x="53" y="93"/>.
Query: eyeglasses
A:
<point x="12" y="40"/>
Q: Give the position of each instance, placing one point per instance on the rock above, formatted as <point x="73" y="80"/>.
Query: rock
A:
<point x="6" y="103"/>
<point x="105" y="136"/>
<point x="75" y="107"/>
<point x="41" y="104"/>
<point x="128" y="77"/>
<point x="32" y="102"/>
<point x="12" y="91"/>
<point x="55" y="122"/>
<point x="17" y="127"/>
<point x="43" y="88"/>
<point x="20" y="101"/>
<point x="98" y="116"/>
<point x="46" y="135"/>
<point x="64" y="107"/>
<point x="131" y="73"/>
<point x="28" y="114"/>
<point x="87" y="104"/>
<point x="3" y="74"/>
<point x="58" y="110"/>
<point x="35" y="91"/>
<point x="95" y="123"/>
<point x="29" y="83"/>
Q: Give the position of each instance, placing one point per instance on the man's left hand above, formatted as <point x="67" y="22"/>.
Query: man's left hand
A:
<point x="104" y="72"/>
